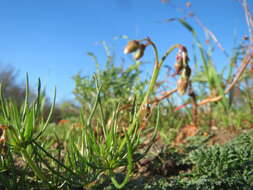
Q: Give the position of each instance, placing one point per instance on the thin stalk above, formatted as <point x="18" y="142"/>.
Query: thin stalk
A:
<point x="153" y="80"/>
<point x="26" y="96"/>
<point x="48" y="117"/>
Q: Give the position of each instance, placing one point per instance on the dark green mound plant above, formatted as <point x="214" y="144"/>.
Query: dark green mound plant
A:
<point x="219" y="167"/>
<point x="228" y="166"/>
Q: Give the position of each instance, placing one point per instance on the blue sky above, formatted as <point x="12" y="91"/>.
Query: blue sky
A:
<point x="50" y="38"/>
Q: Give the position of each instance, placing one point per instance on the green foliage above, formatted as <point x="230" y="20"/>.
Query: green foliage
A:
<point x="209" y="81"/>
<point x="100" y="149"/>
<point x="104" y="147"/>
<point x="217" y="167"/>
<point x="230" y="165"/>
<point x="20" y="123"/>
<point x="119" y="83"/>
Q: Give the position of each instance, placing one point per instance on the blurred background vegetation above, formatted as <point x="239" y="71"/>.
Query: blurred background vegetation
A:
<point x="105" y="135"/>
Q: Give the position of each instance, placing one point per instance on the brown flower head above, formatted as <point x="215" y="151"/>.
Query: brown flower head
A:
<point x="140" y="52"/>
<point x="131" y="46"/>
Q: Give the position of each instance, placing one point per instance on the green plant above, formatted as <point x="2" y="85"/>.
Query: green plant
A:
<point x="225" y="166"/>
<point x="21" y="127"/>
<point x="119" y="83"/>
<point x="101" y="146"/>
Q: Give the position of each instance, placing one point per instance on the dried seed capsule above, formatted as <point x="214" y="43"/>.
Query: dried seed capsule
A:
<point x="179" y="64"/>
<point x="182" y="85"/>
<point x="182" y="48"/>
<point x="182" y="55"/>
<point x="131" y="46"/>
<point x="186" y="73"/>
<point x="140" y="52"/>
<point x="185" y="58"/>
<point x="178" y="68"/>
<point x="181" y="59"/>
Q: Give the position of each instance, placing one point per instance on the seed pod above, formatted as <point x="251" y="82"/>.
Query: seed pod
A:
<point x="186" y="73"/>
<point x="179" y="64"/>
<point x="140" y="52"/>
<point x="183" y="55"/>
<point x="185" y="58"/>
<point x="182" y="48"/>
<point x="178" y="68"/>
<point x="182" y="85"/>
<point x="131" y="46"/>
<point x="182" y="59"/>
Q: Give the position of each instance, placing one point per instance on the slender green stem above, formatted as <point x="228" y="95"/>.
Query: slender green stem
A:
<point x="48" y="117"/>
<point x="156" y="70"/>
<point x="167" y="53"/>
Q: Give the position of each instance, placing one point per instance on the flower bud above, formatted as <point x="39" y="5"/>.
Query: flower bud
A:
<point x="131" y="46"/>
<point x="140" y="52"/>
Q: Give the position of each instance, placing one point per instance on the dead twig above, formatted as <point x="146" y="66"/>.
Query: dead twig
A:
<point x="164" y="96"/>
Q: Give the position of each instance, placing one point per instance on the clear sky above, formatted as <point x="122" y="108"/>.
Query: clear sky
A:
<point x="50" y="38"/>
